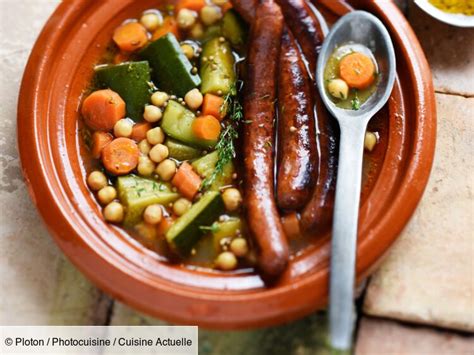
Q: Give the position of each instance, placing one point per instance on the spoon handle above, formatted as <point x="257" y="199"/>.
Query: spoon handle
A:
<point x="344" y="233"/>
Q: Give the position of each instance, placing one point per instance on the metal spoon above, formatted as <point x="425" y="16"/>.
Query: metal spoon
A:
<point x="363" y="28"/>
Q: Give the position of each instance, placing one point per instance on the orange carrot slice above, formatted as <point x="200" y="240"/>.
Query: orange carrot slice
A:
<point x="99" y="141"/>
<point x="187" y="181"/>
<point x="213" y="105"/>
<point x="120" y="156"/>
<point x="207" y="128"/>
<point x="130" y="36"/>
<point x="357" y="70"/>
<point x="139" y="131"/>
<point x="169" y="26"/>
<point x="194" y="5"/>
<point x="102" y="109"/>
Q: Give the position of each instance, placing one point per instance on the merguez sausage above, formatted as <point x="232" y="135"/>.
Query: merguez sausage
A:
<point x="317" y="215"/>
<point x="297" y="133"/>
<point x="246" y="9"/>
<point x="259" y="110"/>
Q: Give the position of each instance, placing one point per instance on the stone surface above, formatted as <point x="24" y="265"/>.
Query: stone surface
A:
<point x="450" y="52"/>
<point x="42" y="287"/>
<point x="428" y="276"/>
<point x="304" y="337"/>
<point x="385" y="337"/>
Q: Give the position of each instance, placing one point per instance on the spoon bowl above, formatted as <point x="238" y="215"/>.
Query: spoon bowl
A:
<point x="365" y="30"/>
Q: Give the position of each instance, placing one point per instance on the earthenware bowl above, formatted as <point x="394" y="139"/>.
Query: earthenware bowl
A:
<point x="51" y="150"/>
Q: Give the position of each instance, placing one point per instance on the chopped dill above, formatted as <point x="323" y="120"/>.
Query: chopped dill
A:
<point x="355" y="102"/>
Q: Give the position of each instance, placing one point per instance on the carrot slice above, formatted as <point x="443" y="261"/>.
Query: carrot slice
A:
<point x="187" y="181"/>
<point x="213" y="105"/>
<point x="120" y="156"/>
<point x="226" y="7"/>
<point x="163" y="226"/>
<point x="291" y="225"/>
<point x="357" y="70"/>
<point x="130" y="36"/>
<point x="139" y="131"/>
<point x="102" y="109"/>
<point x="99" y="141"/>
<point x="207" y="128"/>
<point x="195" y="5"/>
<point x="169" y="26"/>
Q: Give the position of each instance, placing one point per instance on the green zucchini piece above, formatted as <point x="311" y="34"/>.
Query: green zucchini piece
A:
<point x="217" y="75"/>
<point x="226" y="229"/>
<point x="180" y="151"/>
<point x="205" y="167"/>
<point x="171" y="69"/>
<point x="211" y="32"/>
<point x="131" y="81"/>
<point x="185" y="231"/>
<point x="233" y="29"/>
<point x="136" y="193"/>
<point x="177" y="122"/>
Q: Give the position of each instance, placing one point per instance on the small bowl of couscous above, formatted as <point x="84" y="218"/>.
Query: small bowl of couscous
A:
<point x="458" y="13"/>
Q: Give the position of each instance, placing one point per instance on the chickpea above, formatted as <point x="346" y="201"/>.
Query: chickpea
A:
<point x="239" y="247"/>
<point x="338" y="88"/>
<point x="123" y="128"/>
<point x="159" y="98"/>
<point x="186" y="18"/>
<point x="166" y="169"/>
<point x="96" y="180"/>
<point x="193" y="99"/>
<point x="106" y="195"/>
<point x="371" y="139"/>
<point x="114" y="212"/>
<point x="152" y="113"/>
<point x="232" y="199"/>
<point x="197" y="31"/>
<point x="210" y="15"/>
<point x="151" y="21"/>
<point x="153" y="214"/>
<point x="144" y="147"/>
<point x="219" y="2"/>
<point x="145" y="166"/>
<point x="159" y="153"/>
<point x="181" y="206"/>
<point x="188" y="51"/>
<point x="226" y="261"/>
<point x="155" y="136"/>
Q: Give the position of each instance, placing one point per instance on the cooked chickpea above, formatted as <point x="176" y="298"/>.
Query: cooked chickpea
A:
<point x="188" y="51"/>
<point x="96" y="180"/>
<point x="155" y="136"/>
<point x="153" y="214"/>
<point x="370" y="140"/>
<point x="144" y="147"/>
<point x="123" y="128"/>
<point x="152" y="113"/>
<point x="106" y="195"/>
<point x="159" y="153"/>
<point x="239" y="247"/>
<point x="193" y="99"/>
<point x="197" y="31"/>
<point x="226" y="261"/>
<point x="159" y="98"/>
<point x="210" y="15"/>
<point x="145" y="166"/>
<point x="219" y="2"/>
<point x="113" y="212"/>
<point x="181" y="206"/>
<point x="338" y="88"/>
<point x="166" y="169"/>
<point x="151" y="21"/>
<point x="186" y="18"/>
<point x="232" y="199"/>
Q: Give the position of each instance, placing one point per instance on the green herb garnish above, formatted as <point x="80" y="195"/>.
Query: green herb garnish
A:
<point x="213" y="228"/>
<point x="355" y="102"/>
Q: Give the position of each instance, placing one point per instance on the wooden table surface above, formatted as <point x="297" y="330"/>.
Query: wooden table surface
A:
<point x="427" y="278"/>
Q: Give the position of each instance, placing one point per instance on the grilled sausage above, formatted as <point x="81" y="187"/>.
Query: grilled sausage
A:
<point x="259" y="109"/>
<point x="245" y="8"/>
<point x="296" y="129"/>
<point x="317" y="215"/>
